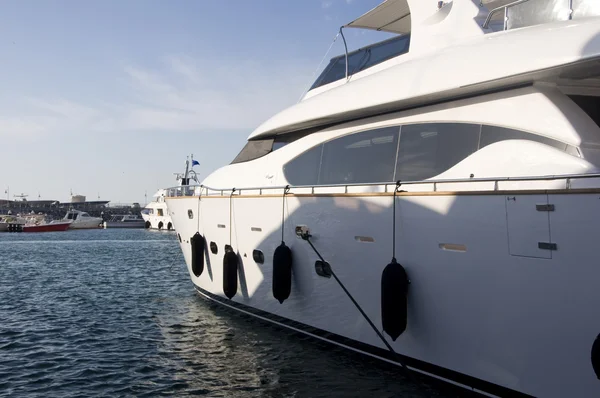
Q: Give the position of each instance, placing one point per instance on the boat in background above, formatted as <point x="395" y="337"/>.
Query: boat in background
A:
<point x="156" y="215"/>
<point x="47" y="227"/>
<point x="124" y="221"/>
<point x="81" y="220"/>
<point x="10" y="223"/>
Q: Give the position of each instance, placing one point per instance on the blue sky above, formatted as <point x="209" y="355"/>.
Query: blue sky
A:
<point x="109" y="97"/>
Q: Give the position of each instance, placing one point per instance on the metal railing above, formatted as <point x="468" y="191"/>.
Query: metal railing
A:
<point x="568" y="8"/>
<point x="197" y="190"/>
<point x="497" y="9"/>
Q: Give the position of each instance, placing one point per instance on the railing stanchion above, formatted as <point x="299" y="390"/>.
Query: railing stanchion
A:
<point x="346" y="50"/>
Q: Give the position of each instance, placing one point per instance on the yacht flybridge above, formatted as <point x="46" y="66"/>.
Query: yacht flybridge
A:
<point x="432" y="201"/>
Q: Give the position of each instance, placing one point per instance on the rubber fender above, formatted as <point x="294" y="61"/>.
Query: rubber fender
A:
<point x="160" y="225"/>
<point x="596" y="356"/>
<point x="169" y="226"/>
<point x="282" y="272"/>
<point x="197" y="243"/>
<point x="394" y="299"/>
<point x="147" y="225"/>
<point x="230" y="271"/>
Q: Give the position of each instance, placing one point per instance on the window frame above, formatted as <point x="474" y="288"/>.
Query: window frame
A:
<point x="323" y="79"/>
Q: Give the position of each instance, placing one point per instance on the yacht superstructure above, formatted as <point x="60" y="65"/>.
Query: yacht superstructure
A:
<point x="434" y="203"/>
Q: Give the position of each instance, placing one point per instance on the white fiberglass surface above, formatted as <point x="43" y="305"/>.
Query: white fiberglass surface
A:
<point x="488" y="62"/>
<point x="485" y="310"/>
<point x="536" y="113"/>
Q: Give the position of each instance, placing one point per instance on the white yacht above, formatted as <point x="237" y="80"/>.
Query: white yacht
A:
<point x="81" y="220"/>
<point x="433" y="200"/>
<point x="124" y="221"/>
<point x="156" y="215"/>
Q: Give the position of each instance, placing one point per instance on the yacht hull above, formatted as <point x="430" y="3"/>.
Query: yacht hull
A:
<point x="493" y="305"/>
<point x="50" y="227"/>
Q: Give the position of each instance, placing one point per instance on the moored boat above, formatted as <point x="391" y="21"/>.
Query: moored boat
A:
<point x="124" y="221"/>
<point x="156" y="214"/>
<point x="82" y="220"/>
<point x="47" y="227"/>
<point x="432" y="201"/>
<point x="9" y="223"/>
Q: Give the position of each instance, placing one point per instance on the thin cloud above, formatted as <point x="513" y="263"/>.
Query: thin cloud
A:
<point x="179" y="95"/>
<point x="20" y="127"/>
<point x="326" y="4"/>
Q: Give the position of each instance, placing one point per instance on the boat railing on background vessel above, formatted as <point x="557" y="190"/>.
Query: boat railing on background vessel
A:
<point x="567" y="182"/>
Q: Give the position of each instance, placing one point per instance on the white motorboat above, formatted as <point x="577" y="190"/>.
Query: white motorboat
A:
<point x="124" y="221"/>
<point x="81" y="220"/>
<point x="432" y="201"/>
<point x="10" y="223"/>
<point x="156" y="215"/>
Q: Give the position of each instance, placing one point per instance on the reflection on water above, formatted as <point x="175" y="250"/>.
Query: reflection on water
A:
<point x="113" y="313"/>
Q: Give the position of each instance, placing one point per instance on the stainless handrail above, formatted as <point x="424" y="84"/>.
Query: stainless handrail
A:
<point x="345" y="49"/>
<point x="496" y="180"/>
<point x="505" y="8"/>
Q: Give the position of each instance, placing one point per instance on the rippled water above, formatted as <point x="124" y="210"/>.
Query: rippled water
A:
<point x="113" y="313"/>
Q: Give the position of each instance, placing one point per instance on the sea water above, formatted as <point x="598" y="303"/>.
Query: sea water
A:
<point x="113" y="313"/>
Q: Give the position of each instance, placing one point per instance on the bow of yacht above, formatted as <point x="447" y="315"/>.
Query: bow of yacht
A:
<point x="448" y="178"/>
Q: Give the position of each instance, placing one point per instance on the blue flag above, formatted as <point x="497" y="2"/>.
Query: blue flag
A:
<point x="195" y="163"/>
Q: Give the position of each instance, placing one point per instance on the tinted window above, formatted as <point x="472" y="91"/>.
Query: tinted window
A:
<point x="427" y="150"/>
<point x="304" y="170"/>
<point x="424" y="151"/>
<point x="287" y="138"/>
<point x="362" y="59"/>
<point x="360" y="158"/>
<point x="590" y="105"/>
<point x="491" y="134"/>
<point x="253" y="150"/>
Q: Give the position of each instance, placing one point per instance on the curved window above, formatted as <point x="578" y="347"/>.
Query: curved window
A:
<point x="255" y="149"/>
<point x="304" y="169"/>
<point x="411" y="152"/>
<point x="427" y="150"/>
<point x="360" y="158"/>
<point x="491" y="134"/>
